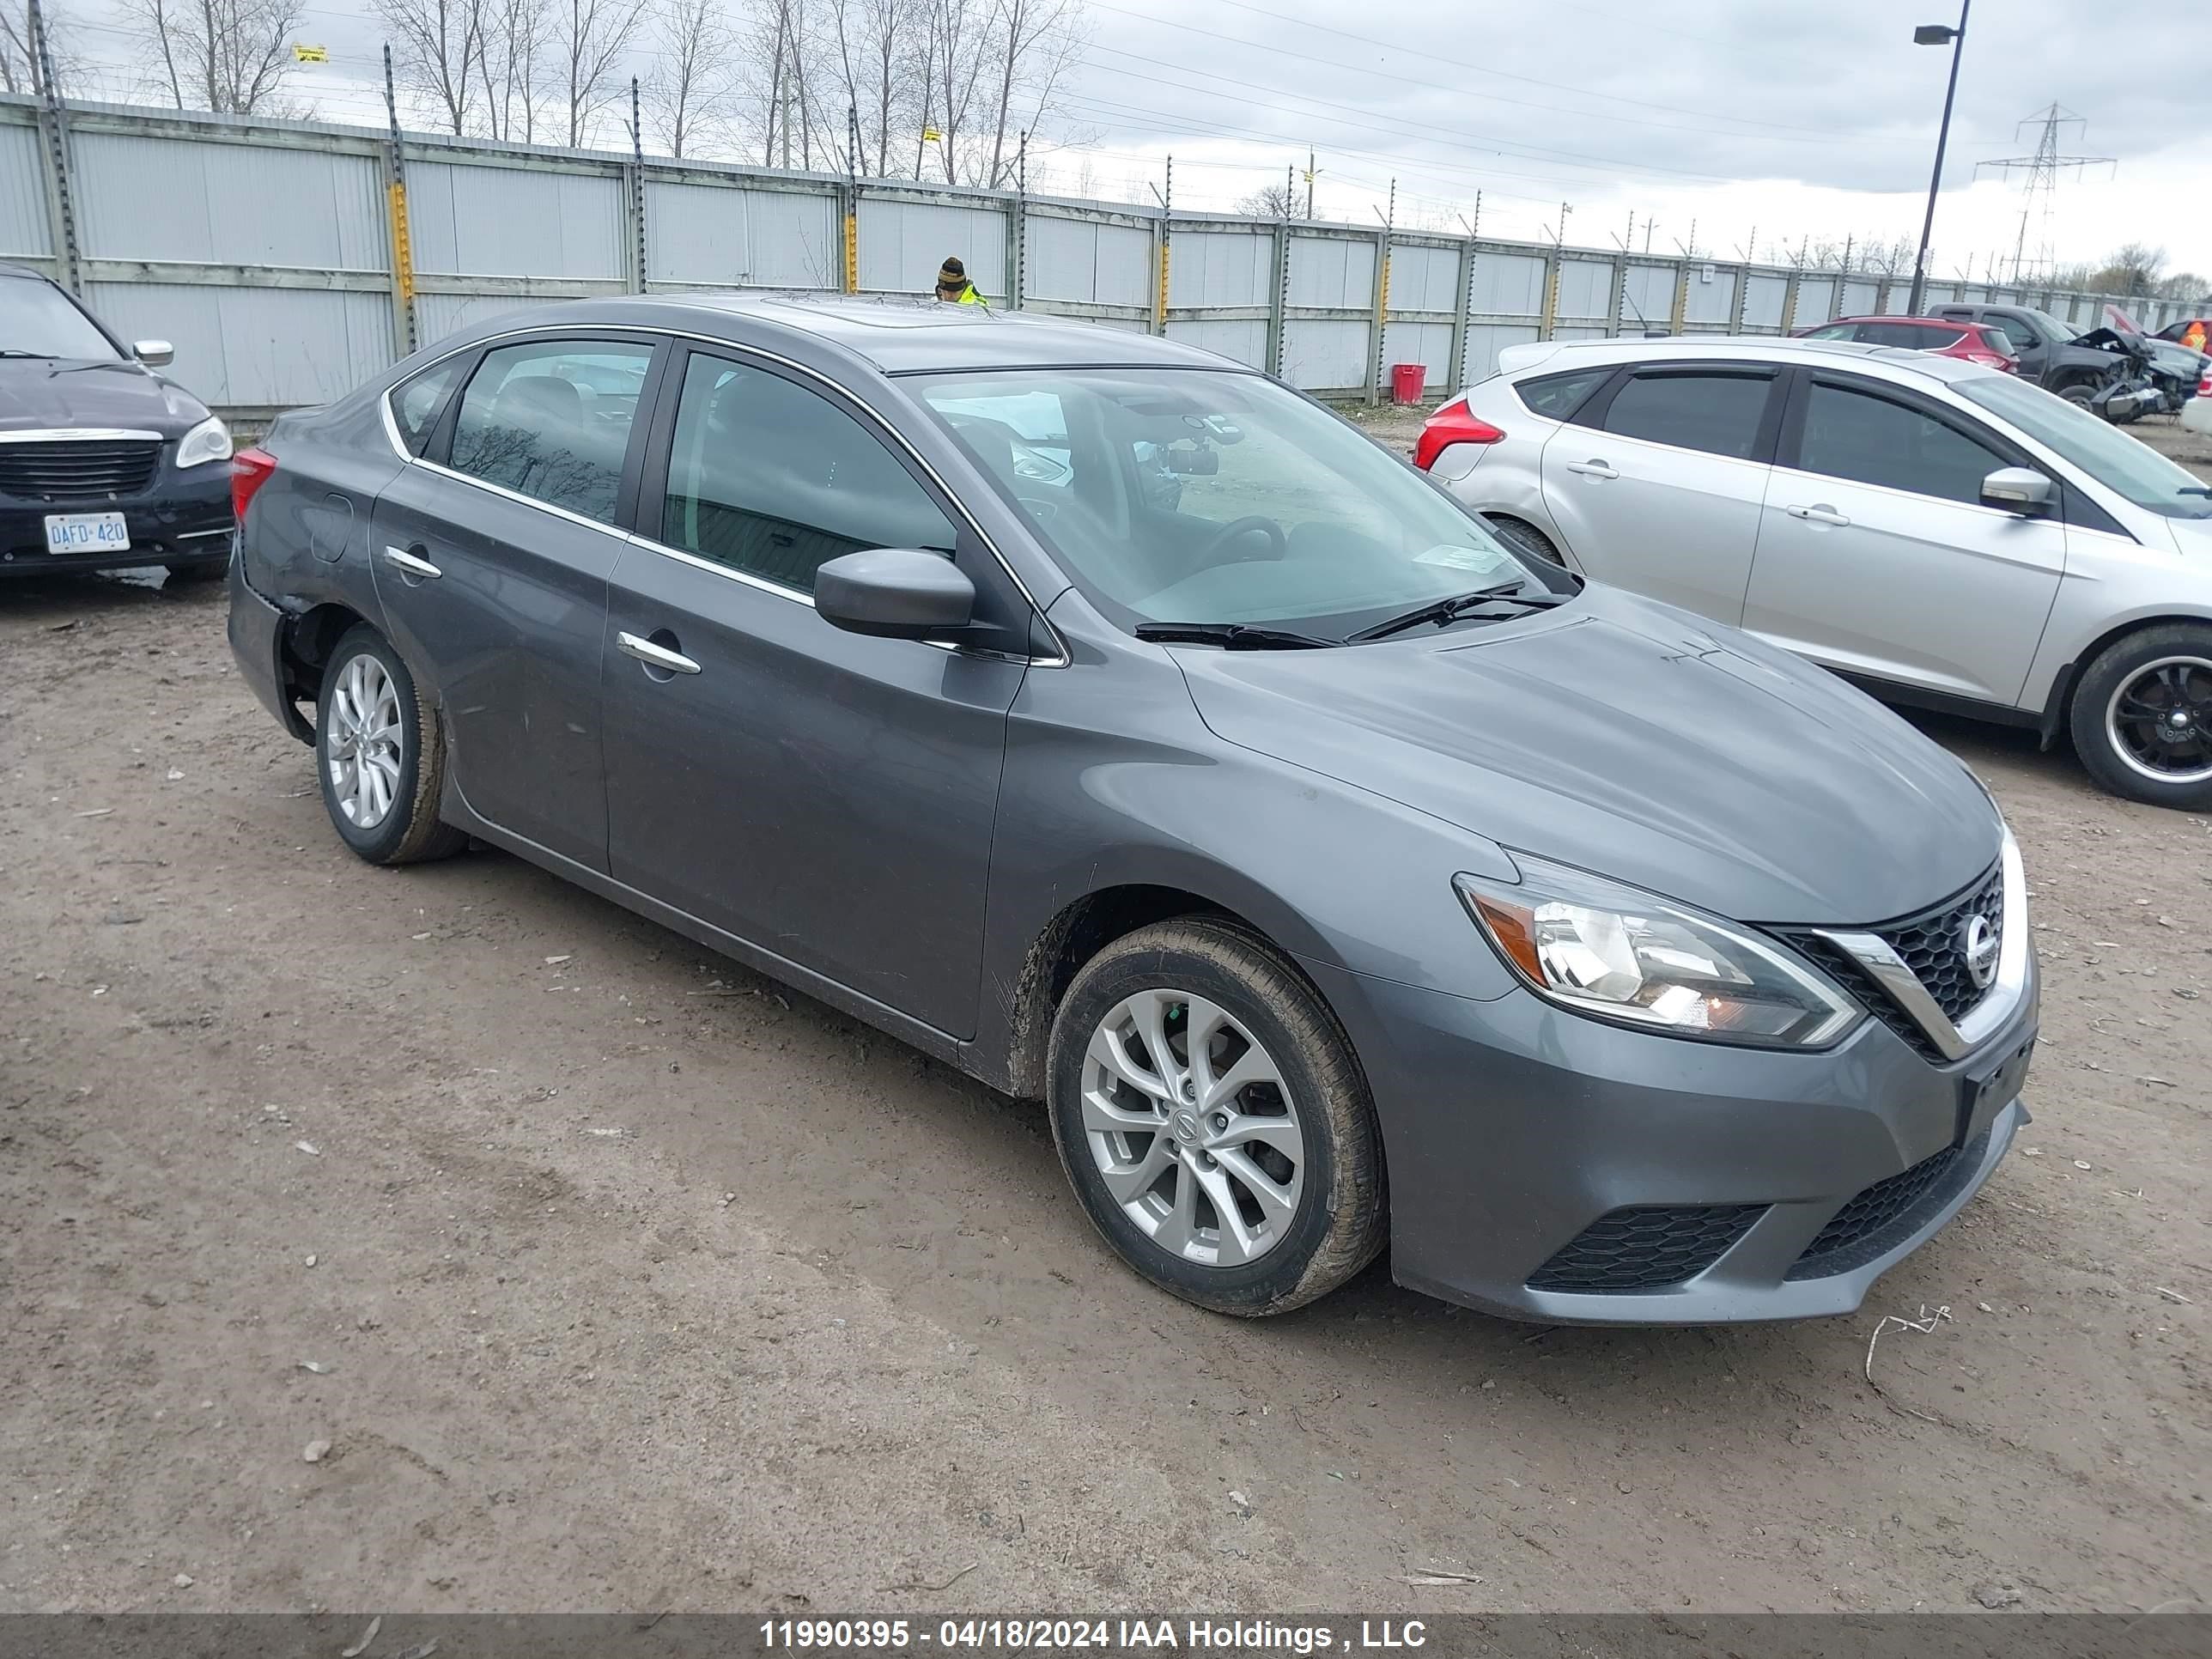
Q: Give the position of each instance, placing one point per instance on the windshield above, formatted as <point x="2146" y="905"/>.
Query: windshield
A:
<point x="2051" y="329"/>
<point x="1191" y="495"/>
<point x="38" y="320"/>
<point x="2107" y="455"/>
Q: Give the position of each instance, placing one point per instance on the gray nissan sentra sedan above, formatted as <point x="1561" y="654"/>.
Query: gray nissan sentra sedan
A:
<point x="1128" y="731"/>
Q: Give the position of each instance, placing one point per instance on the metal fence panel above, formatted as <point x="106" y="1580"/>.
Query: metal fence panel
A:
<point x="182" y="200"/>
<point x="242" y="346"/>
<point x="1423" y="279"/>
<point x="1647" y="296"/>
<point x="715" y="236"/>
<point x="1762" y="300"/>
<point x="1245" y="341"/>
<point x="1855" y="299"/>
<point x="468" y="219"/>
<point x="437" y="315"/>
<point x="1086" y="261"/>
<point x="1332" y="270"/>
<point x="1426" y="343"/>
<point x="1329" y="354"/>
<point x="1485" y="341"/>
<point x="1220" y="268"/>
<point x="1585" y="287"/>
<point x="1816" y="301"/>
<point x="902" y="243"/>
<point x="1711" y="295"/>
<point x="1508" y="285"/>
<point x="24" y="231"/>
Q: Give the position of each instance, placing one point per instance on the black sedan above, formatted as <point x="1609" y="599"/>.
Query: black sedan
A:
<point x="104" y="463"/>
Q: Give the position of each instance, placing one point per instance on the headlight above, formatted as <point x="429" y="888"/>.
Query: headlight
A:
<point x="208" y="441"/>
<point x="1612" y="952"/>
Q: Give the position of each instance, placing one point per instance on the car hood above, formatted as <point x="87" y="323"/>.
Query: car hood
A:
<point x="42" y="393"/>
<point x="1631" y="740"/>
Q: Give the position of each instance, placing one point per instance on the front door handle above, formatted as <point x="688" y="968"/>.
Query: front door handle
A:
<point x="1819" y="512"/>
<point x="655" y="656"/>
<point x="410" y="564"/>
<point x="1592" y="469"/>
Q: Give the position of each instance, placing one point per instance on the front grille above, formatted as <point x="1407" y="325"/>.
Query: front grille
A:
<point x="1647" y="1248"/>
<point x="81" y="471"/>
<point x="1844" y="967"/>
<point x="1930" y="944"/>
<point x="1888" y="1213"/>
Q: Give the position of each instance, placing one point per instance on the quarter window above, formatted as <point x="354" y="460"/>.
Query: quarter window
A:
<point x="1718" y="414"/>
<point x="1870" y="440"/>
<point x="416" y="404"/>
<point x="552" y="420"/>
<point x="774" y="480"/>
<point x="1559" y="395"/>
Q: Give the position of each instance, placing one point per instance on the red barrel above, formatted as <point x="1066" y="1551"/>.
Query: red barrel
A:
<point x="1407" y="380"/>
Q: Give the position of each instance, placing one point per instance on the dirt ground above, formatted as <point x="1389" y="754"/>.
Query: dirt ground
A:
<point x="601" y="1274"/>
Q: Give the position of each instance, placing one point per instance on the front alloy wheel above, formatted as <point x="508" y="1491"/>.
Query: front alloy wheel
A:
<point x="1214" y="1119"/>
<point x="1191" y="1130"/>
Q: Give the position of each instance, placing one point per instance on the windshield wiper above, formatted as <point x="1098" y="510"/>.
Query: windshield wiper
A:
<point x="2194" y="489"/>
<point x="1441" y="611"/>
<point x="1230" y="636"/>
<point x="13" y="351"/>
<point x="79" y="368"/>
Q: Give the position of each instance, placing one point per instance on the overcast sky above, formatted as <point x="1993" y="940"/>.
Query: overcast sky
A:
<point x="1787" y="118"/>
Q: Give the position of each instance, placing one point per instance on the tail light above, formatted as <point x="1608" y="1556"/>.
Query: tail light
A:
<point x="1452" y="424"/>
<point x="249" y="469"/>
<point x="2204" y="385"/>
<point x="1991" y="359"/>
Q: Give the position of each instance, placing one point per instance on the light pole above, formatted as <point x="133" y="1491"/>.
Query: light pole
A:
<point x="1937" y="34"/>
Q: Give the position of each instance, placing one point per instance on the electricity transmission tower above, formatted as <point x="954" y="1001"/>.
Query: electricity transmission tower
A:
<point x="2043" y="169"/>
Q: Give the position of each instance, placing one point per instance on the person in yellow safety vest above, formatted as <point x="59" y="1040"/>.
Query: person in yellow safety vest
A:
<point x="954" y="288"/>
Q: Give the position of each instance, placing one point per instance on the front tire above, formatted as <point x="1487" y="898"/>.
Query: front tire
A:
<point x="1528" y="539"/>
<point x="380" y="755"/>
<point x="2141" y="716"/>
<point x="1214" y="1119"/>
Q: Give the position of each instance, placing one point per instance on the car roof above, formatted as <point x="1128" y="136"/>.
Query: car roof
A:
<point x="896" y="334"/>
<point x="1694" y="348"/>
<point x="1916" y="322"/>
<point x="23" y="272"/>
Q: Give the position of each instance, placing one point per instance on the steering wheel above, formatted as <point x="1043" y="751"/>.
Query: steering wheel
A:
<point x="1279" y="544"/>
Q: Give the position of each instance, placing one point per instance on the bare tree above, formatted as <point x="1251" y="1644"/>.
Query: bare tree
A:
<point x="437" y="48"/>
<point x="872" y="51"/>
<point x="1033" y="45"/>
<point x="694" y="55"/>
<point x="20" y="71"/>
<point x="590" y="39"/>
<point x="1271" y="202"/>
<point x="515" y="37"/>
<point x="228" y="55"/>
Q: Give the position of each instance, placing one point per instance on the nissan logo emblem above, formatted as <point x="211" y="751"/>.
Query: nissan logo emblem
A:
<point x="1978" y="943"/>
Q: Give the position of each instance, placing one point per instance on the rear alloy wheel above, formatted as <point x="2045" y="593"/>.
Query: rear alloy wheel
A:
<point x="380" y="755"/>
<point x="1214" y="1120"/>
<point x="2143" y="717"/>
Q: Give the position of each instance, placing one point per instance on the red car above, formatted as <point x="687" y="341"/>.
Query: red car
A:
<point x="1973" y="342"/>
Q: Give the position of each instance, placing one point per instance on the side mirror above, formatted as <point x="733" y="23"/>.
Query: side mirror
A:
<point x="2017" y="489"/>
<point x="154" y="354"/>
<point x="894" y="594"/>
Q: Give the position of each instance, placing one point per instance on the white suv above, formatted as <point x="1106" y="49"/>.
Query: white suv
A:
<point x="1944" y="534"/>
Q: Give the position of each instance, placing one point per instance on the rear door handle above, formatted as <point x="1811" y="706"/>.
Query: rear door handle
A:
<point x="1819" y="512"/>
<point x="410" y="564"/>
<point x="655" y="656"/>
<point x="1592" y="469"/>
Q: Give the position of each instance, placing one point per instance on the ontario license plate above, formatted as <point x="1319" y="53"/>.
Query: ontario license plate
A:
<point x="87" y="532"/>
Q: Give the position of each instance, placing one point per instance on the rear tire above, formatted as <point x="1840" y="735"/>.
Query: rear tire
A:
<point x="2141" y="716"/>
<point x="1528" y="539"/>
<point x="380" y="755"/>
<point x="1294" y="1204"/>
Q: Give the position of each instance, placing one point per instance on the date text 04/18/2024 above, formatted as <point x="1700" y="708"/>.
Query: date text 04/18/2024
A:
<point x="1106" y="1635"/>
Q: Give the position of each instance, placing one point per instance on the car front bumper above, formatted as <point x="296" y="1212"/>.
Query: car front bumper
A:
<point x="181" y="518"/>
<point x="1517" y="1134"/>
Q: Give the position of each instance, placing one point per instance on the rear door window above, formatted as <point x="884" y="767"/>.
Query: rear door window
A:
<point x="1915" y="336"/>
<point x="1718" y="412"/>
<point x="552" y="420"/>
